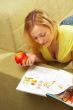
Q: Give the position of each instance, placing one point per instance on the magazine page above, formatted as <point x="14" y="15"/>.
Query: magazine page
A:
<point x="41" y="81"/>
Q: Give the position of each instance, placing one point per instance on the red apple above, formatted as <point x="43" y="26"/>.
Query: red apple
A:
<point x="19" y="57"/>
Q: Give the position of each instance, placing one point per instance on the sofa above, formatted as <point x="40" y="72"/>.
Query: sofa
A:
<point x="12" y="40"/>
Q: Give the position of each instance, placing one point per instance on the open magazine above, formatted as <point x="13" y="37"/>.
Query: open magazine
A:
<point x="47" y="82"/>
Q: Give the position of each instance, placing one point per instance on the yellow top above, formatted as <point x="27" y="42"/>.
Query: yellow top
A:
<point x="65" y="36"/>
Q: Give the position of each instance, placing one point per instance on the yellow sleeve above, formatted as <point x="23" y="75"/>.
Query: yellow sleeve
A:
<point x="65" y="34"/>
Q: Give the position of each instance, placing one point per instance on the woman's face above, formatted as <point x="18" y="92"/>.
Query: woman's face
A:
<point x="42" y="35"/>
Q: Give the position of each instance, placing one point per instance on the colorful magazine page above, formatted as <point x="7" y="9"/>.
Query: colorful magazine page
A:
<point x="68" y="102"/>
<point x="37" y="80"/>
<point x="41" y="81"/>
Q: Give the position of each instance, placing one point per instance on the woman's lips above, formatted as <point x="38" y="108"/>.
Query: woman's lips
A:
<point x="45" y="43"/>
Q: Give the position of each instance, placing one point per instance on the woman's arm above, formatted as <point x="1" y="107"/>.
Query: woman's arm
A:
<point x="72" y="55"/>
<point x="32" y="59"/>
<point x="39" y="58"/>
<point x="70" y="64"/>
<point x="72" y="58"/>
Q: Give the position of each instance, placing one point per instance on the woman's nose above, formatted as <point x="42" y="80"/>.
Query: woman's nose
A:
<point x="40" y="41"/>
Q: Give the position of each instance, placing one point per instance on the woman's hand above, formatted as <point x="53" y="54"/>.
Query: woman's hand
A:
<point x="30" y="60"/>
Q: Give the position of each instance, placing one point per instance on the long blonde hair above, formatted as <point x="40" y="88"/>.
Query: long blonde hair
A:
<point x="40" y="18"/>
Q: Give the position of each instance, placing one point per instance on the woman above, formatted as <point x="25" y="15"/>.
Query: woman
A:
<point x="53" y="42"/>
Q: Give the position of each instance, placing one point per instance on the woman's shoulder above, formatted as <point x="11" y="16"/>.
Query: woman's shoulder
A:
<point x="66" y="31"/>
<point x="68" y="28"/>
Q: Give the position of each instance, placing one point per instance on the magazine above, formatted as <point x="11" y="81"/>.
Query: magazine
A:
<point x="47" y="82"/>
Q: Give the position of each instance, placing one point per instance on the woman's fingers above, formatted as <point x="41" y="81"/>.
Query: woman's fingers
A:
<point x="27" y="62"/>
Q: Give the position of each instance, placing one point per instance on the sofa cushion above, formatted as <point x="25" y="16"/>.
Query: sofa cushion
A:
<point x="13" y="12"/>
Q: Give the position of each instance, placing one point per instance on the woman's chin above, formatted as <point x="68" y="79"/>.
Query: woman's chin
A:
<point x="46" y="45"/>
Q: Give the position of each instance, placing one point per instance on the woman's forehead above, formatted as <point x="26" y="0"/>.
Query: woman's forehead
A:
<point x="38" y="29"/>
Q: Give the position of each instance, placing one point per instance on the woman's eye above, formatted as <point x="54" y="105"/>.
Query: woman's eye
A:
<point x="42" y="34"/>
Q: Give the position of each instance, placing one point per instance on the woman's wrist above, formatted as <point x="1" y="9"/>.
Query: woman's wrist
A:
<point x="37" y="59"/>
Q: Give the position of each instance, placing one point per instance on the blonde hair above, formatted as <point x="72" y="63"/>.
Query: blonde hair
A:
<point x="40" y="18"/>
